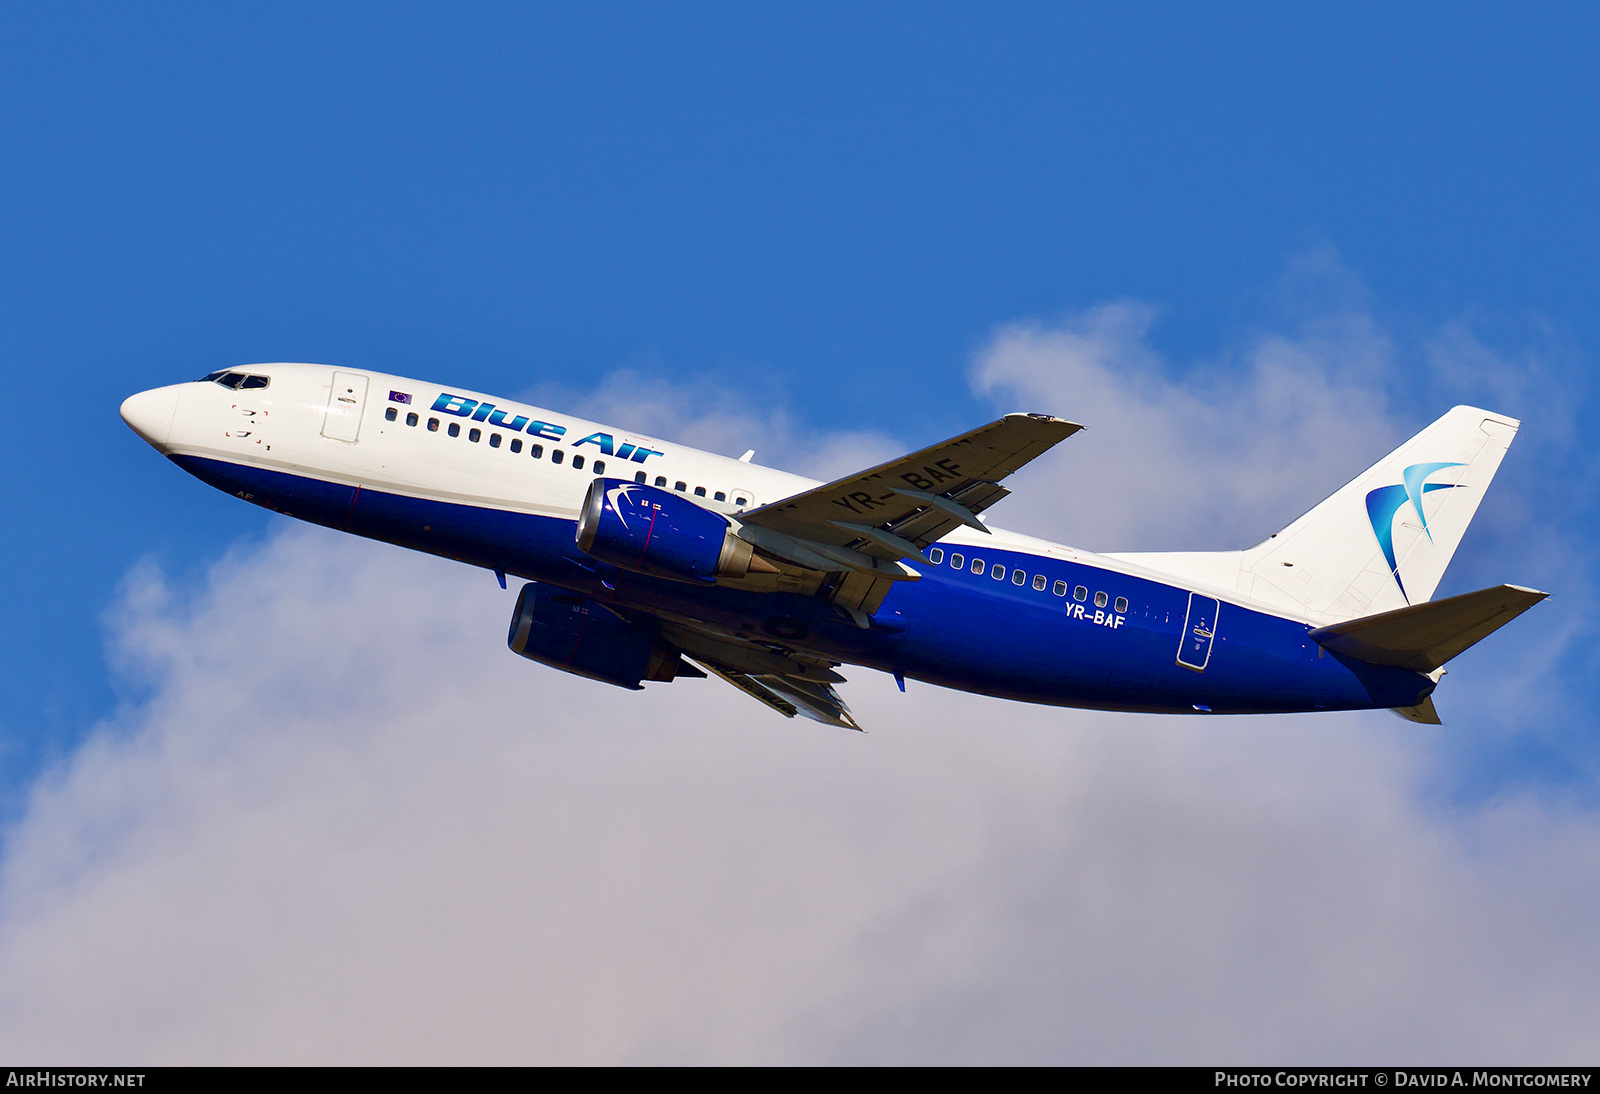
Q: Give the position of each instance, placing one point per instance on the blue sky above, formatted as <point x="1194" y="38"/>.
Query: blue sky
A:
<point x="822" y="221"/>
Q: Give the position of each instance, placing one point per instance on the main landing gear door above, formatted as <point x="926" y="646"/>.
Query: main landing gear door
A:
<point x="345" y="403"/>
<point x="1199" y="627"/>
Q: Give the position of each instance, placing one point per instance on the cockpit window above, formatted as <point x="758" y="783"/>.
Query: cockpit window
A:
<point x="235" y="380"/>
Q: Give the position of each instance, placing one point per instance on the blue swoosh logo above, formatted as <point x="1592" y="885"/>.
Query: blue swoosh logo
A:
<point x="1384" y="502"/>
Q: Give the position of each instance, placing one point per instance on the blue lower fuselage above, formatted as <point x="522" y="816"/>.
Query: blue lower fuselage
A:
<point x="954" y="627"/>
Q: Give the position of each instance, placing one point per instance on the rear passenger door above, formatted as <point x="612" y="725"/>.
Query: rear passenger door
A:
<point x="1199" y="629"/>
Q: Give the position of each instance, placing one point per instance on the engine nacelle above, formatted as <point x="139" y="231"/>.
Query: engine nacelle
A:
<point x="576" y="635"/>
<point x="653" y="531"/>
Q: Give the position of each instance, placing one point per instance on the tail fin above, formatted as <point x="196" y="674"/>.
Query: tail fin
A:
<point x="1380" y="543"/>
<point x="1383" y="541"/>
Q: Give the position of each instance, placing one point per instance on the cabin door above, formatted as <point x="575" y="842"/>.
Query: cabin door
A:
<point x="1199" y="628"/>
<point x="345" y="403"/>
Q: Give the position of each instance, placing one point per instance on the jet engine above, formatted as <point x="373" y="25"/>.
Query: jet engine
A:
<point x="577" y="635"/>
<point x="653" y="531"/>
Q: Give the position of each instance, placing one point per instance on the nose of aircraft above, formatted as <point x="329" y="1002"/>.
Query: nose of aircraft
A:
<point x="150" y="413"/>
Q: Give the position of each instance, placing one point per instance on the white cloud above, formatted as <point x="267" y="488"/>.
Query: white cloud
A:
<point x="349" y="826"/>
<point x="1215" y="460"/>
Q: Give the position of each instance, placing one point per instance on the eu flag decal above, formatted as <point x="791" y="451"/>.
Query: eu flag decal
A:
<point x="399" y="397"/>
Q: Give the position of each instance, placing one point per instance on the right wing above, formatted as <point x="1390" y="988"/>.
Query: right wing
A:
<point x="787" y="681"/>
<point x="789" y="696"/>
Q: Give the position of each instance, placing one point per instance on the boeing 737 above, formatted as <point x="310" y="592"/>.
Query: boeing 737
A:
<point x="646" y="561"/>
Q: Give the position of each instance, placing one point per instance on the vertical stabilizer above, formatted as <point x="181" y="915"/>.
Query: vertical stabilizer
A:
<point x="1383" y="541"/>
<point x="1380" y="543"/>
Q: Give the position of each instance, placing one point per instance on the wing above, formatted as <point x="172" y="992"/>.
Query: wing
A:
<point x="860" y="528"/>
<point x="789" y="696"/>
<point x="868" y="522"/>
<point x="786" y="680"/>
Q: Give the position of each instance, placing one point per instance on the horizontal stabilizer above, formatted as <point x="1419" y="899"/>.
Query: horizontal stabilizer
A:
<point x="1423" y="712"/>
<point x="1424" y="636"/>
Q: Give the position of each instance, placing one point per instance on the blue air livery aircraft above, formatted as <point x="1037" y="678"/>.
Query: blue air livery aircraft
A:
<point x="644" y="559"/>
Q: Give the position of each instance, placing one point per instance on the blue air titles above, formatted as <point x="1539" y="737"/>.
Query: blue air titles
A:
<point x="462" y="407"/>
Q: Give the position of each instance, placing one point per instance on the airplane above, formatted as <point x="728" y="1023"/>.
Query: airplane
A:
<point x="646" y="561"/>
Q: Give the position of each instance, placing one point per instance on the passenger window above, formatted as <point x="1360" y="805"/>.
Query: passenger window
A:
<point x="977" y="565"/>
<point x="577" y="463"/>
<point x="638" y="476"/>
<point x="390" y="414"/>
<point x="494" y="440"/>
<point x="958" y="561"/>
<point x="998" y="573"/>
<point x="516" y="444"/>
<point x="556" y="455"/>
<point x="1039" y="582"/>
<point x="474" y="435"/>
<point x="1059" y="589"/>
<point x="699" y="491"/>
<point x="661" y="480"/>
<point x="935" y="555"/>
<point x="536" y="450"/>
<point x="599" y="467"/>
<point x="1099" y="600"/>
<point x="433" y="425"/>
<point x="680" y="486"/>
<point x="1018" y="577"/>
<point x="721" y="496"/>
<point x="455" y="429"/>
<point x="740" y="501"/>
<point x="1080" y="593"/>
<point x="411" y="419"/>
<point x="1122" y="604"/>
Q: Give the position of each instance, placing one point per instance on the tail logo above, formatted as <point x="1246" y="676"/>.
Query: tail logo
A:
<point x="1384" y="502"/>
